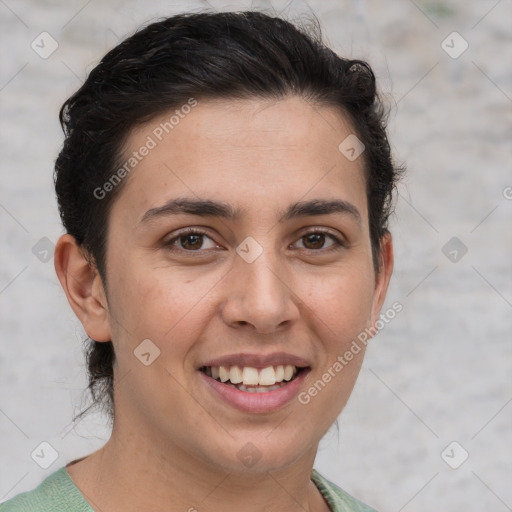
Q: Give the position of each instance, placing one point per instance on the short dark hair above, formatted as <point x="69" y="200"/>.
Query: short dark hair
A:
<point x="225" y="55"/>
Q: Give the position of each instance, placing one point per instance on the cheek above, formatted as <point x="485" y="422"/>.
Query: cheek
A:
<point x="159" y="303"/>
<point x="342" y="303"/>
<point x="340" y="309"/>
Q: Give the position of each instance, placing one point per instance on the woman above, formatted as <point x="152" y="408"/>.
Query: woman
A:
<point x="225" y="185"/>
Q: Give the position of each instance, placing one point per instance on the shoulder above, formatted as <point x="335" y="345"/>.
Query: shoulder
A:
<point x="336" y="497"/>
<point x="56" y="492"/>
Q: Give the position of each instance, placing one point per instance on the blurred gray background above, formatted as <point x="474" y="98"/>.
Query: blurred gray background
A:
<point x="436" y="383"/>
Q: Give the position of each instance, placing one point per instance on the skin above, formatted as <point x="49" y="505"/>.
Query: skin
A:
<point x="174" y="445"/>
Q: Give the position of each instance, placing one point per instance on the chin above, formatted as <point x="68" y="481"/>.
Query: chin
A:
<point x="255" y="454"/>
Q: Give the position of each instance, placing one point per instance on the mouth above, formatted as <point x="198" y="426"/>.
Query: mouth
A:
<point x="255" y="380"/>
<point x="254" y="383"/>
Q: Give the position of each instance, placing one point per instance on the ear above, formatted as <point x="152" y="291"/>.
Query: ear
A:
<point x="386" y="260"/>
<point x="83" y="287"/>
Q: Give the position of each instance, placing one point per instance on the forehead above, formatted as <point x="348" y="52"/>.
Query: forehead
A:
<point x="249" y="153"/>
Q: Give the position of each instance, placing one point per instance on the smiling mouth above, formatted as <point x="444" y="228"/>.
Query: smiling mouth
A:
<point x="254" y="380"/>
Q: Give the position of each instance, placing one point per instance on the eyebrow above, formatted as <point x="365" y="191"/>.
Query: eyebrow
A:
<point x="209" y="208"/>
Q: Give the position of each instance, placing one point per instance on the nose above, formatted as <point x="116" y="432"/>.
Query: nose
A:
<point x="259" y="296"/>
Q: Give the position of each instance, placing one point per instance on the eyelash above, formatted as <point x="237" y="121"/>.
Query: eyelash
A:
<point x="338" y="242"/>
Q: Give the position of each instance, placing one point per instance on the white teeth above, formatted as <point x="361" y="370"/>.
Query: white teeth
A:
<point x="258" y="390"/>
<point x="267" y="377"/>
<point x="223" y="374"/>
<point x="250" y="376"/>
<point x="235" y="375"/>
<point x="279" y="373"/>
<point x="288" y="372"/>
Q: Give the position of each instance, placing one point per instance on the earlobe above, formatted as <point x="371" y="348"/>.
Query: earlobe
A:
<point x="83" y="287"/>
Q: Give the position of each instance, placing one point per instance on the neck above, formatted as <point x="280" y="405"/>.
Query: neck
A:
<point x="133" y="472"/>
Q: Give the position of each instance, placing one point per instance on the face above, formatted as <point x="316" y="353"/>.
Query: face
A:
<point x="272" y="285"/>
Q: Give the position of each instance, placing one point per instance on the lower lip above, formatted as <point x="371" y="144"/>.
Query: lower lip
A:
<point x="266" y="401"/>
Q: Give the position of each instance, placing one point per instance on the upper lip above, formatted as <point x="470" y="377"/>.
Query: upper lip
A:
<point x="257" y="360"/>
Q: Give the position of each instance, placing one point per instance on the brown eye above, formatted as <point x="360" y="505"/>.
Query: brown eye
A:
<point x="315" y="240"/>
<point x="191" y="240"/>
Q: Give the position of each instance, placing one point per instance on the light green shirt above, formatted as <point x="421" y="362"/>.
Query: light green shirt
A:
<point x="58" y="493"/>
